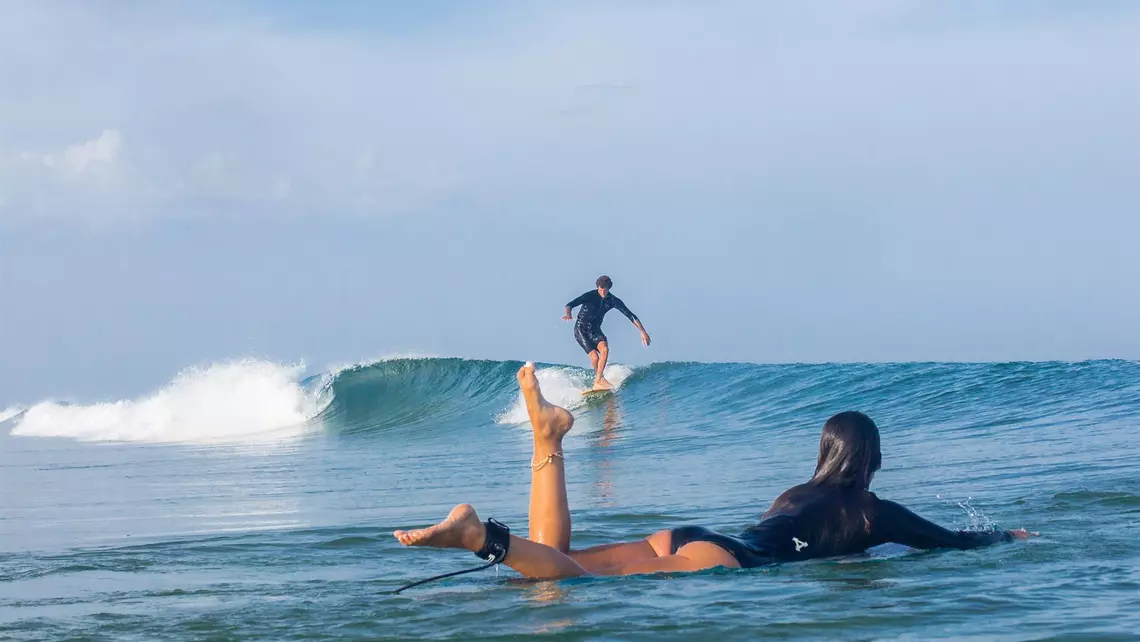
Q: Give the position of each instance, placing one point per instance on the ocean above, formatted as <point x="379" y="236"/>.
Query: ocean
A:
<point x="252" y="501"/>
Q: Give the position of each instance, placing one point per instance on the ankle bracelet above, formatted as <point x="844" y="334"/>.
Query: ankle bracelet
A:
<point x="538" y="465"/>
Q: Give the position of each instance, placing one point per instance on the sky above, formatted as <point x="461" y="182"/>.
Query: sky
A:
<point x="887" y="180"/>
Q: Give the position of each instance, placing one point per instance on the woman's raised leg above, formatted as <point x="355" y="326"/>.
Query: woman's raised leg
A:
<point x="546" y="554"/>
<point x="550" y="522"/>
<point x="549" y="509"/>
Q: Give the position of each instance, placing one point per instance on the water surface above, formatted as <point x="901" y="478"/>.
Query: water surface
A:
<point x="241" y="502"/>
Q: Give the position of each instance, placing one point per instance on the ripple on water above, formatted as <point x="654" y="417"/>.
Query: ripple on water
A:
<point x="147" y="542"/>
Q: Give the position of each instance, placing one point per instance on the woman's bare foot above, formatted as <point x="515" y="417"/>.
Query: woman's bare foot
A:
<point x="550" y="422"/>
<point x="461" y="529"/>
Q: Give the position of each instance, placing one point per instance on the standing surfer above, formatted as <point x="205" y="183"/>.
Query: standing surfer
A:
<point x="588" y="328"/>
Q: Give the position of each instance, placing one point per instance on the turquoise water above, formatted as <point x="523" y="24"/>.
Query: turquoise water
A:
<point x="244" y="502"/>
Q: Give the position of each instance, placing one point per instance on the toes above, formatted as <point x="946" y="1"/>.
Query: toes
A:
<point x="409" y="538"/>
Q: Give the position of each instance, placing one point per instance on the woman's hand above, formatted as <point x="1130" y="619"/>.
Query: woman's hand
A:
<point x="1021" y="533"/>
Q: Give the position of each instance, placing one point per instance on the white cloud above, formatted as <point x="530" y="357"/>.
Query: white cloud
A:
<point x="82" y="180"/>
<point x="98" y="152"/>
<point x="103" y="150"/>
<point x="667" y="102"/>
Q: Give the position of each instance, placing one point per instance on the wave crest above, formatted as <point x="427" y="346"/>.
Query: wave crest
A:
<point x="225" y="402"/>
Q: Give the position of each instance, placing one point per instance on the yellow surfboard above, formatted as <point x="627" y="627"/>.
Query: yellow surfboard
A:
<point x="597" y="393"/>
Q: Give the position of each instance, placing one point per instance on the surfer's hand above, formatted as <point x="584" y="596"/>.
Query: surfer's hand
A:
<point x="645" y="338"/>
<point x="567" y="317"/>
<point x="1021" y="533"/>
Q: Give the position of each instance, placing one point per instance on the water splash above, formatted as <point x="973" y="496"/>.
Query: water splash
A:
<point x="9" y="413"/>
<point x="563" y="386"/>
<point x="976" y="520"/>
<point x="227" y="402"/>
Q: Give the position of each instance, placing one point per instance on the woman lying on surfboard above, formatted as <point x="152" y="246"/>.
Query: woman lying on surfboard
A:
<point x="832" y="514"/>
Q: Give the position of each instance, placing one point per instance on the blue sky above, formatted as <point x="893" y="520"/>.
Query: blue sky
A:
<point x="891" y="180"/>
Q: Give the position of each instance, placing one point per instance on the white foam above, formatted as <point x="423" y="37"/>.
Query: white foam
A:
<point x="563" y="386"/>
<point x="237" y="401"/>
<point x="10" y="412"/>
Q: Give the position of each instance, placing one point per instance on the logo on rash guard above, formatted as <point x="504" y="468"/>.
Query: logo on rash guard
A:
<point x="799" y="545"/>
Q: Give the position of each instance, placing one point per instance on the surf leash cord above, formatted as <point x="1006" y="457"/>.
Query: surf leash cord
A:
<point x="494" y="551"/>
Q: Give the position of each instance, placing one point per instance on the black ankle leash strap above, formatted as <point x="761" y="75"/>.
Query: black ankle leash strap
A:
<point x="494" y="550"/>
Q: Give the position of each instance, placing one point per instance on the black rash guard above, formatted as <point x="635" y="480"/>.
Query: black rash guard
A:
<point x="813" y="520"/>
<point x="588" y="327"/>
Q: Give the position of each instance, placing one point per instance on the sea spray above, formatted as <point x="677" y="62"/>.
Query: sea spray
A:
<point x="9" y="413"/>
<point x="563" y="386"/>
<point x="234" y="401"/>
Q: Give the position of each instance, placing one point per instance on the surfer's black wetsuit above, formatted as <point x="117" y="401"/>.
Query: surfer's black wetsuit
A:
<point x="813" y="520"/>
<point x="588" y="327"/>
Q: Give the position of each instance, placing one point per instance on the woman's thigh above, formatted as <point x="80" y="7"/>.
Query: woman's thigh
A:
<point x="596" y="558"/>
<point x="694" y="556"/>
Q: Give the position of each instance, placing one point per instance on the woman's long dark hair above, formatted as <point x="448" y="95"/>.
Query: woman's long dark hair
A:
<point x="849" y="451"/>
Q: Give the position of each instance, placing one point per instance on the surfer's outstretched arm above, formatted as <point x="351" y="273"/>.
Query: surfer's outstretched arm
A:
<point x="620" y="306"/>
<point x="573" y="304"/>
<point x="644" y="335"/>
<point x="894" y="523"/>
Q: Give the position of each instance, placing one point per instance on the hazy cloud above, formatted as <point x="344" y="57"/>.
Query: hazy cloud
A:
<point x="895" y="179"/>
<point x="103" y="150"/>
<point x="677" y="98"/>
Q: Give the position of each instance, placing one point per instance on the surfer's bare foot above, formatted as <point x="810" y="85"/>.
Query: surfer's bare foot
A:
<point x="602" y="384"/>
<point x="549" y="421"/>
<point x="461" y="529"/>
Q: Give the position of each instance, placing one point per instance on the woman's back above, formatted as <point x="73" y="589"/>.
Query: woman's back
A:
<point x="821" y="520"/>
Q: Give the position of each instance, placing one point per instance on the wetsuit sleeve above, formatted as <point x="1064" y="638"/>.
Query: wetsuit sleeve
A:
<point x="619" y="305"/>
<point x="894" y="523"/>
<point x="579" y="301"/>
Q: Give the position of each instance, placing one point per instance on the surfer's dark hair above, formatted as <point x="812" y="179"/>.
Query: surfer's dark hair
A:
<point x="849" y="451"/>
<point x="604" y="282"/>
